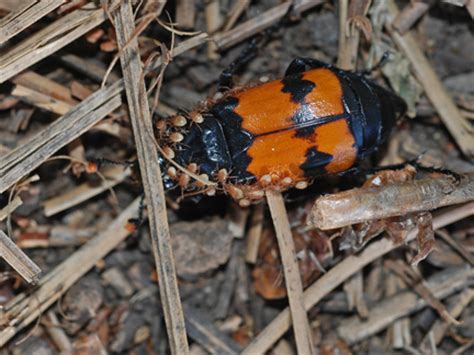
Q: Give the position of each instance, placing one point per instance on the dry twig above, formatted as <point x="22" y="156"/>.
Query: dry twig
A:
<point x="254" y="234"/>
<point x="12" y="206"/>
<point x="151" y="177"/>
<point x="57" y="333"/>
<point x="185" y="13"/>
<point x="84" y="192"/>
<point x="363" y="204"/>
<point x="203" y="331"/>
<point x="293" y="282"/>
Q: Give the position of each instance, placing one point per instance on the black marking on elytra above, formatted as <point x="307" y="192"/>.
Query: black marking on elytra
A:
<point x="305" y="132"/>
<point x="315" y="162"/>
<point x="297" y="87"/>
<point x="238" y="139"/>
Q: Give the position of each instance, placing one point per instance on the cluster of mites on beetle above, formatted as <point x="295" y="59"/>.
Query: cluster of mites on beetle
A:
<point x="317" y="120"/>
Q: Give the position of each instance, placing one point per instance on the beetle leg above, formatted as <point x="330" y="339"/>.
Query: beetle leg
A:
<point x="100" y="162"/>
<point x="225" y="79"/>
<point x="414" y="162"/>
<point x="431" y="169"/>
<point x="134" y="223"/>
<point x="300" y="64"/>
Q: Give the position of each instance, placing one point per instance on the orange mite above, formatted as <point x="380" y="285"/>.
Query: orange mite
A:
<point x="317" y="120"/>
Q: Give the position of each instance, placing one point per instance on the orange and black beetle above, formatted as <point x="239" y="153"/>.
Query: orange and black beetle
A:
<point x="317" y="120"/>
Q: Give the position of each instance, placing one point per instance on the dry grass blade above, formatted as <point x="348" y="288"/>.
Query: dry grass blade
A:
<point x="457" y="125"/>
<point x="84" y="192"/>
<point x="28" y="156"/>
<point x="268" y="18"/>
<point x="27" y="306"/>
<point x="49" y="40"/>
<point x="21" y="18"/>
<point x="441" y="285"/>
<point x="250" y="27"/>
<point x="12" y="206"/>
<point x="363" y="204"/>
<point x="18" y="260"/>
<point x="293" y="282"/>
<point x="151" y="176"/>
<point x="339" y="273"/>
